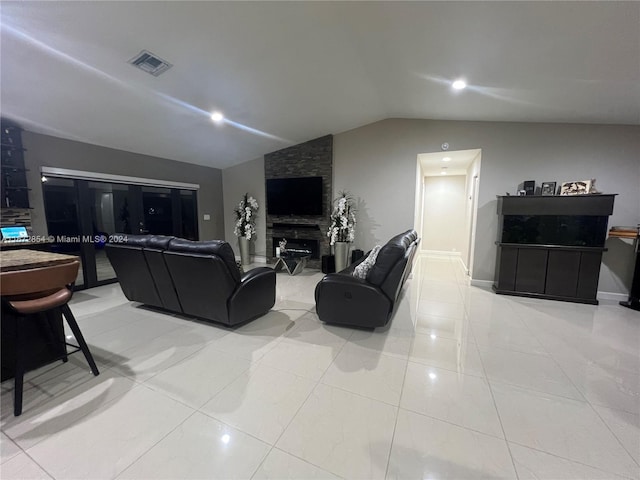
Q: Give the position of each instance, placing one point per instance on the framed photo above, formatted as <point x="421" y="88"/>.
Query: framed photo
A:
<point x="578" y="187"/>
<point x="548" y="188"/>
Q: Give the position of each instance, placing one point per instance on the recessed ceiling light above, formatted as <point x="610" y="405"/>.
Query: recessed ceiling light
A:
<point x="443" y="171"/>
<point x="217" y="117"/>
<point x="446" y="159"/>
<point x="459" y="84"/>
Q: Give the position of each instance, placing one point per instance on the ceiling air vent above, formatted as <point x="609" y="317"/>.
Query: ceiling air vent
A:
<point x="150" y="63"/>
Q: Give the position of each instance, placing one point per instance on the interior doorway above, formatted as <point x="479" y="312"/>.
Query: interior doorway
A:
<point x="447" y="203"/>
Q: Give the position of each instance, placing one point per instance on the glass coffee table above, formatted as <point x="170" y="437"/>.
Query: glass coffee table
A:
<point x="292" y="262"/>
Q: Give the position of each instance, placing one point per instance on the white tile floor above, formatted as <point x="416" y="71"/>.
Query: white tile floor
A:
<point x="464" y="384"/>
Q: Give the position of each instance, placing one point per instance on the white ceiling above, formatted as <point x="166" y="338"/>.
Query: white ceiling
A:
<point x="286" y="72"/>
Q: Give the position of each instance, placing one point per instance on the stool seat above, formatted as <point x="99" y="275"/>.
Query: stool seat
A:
<point x="37" y="305"/>
<point x="29" y="294"/>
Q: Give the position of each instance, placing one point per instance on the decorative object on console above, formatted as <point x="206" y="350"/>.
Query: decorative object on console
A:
<point x="529" y="186"/>
<point x="245" y="228"/>
<point x="342" y="229"/>
<point x="548" y="188"/>
<point x="578" y="187"/>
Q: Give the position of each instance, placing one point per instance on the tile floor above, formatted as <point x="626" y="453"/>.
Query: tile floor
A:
<point x="464" y="384"/>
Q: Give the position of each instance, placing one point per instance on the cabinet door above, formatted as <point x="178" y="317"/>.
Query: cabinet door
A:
<point x="589" y="275"/>
<point x="563" y="270"/>
<point x="532" y="270"/>
<point x="507" y="262"/>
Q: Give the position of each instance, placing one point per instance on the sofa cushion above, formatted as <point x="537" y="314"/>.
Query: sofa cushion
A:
<point x="136" y="240"/>
<point x="159" y="242"/>
<point x="362" y="270"/>
<point x="212" y="247"/>
<point x="388" y="256"/>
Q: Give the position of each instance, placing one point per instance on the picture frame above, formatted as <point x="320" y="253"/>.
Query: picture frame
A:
<point x="548" y="188"/>
<point x="577" y="187"/>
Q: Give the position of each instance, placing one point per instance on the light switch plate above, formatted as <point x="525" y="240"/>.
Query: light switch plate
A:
<point x="206" y="216"/>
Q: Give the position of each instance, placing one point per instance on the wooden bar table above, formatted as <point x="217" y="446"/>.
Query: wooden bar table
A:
<point x="46" y="344"/>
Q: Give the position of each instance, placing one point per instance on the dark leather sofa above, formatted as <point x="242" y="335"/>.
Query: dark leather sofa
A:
<point x="344" y="299"/>
<point x="200" y="279"/>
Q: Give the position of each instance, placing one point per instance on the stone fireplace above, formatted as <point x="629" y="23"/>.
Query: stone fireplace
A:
<point x="307" y="232"/>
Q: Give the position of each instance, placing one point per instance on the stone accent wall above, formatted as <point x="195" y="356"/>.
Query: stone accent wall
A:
<point x="16" y="216"/>
<point x="310" y="159"/>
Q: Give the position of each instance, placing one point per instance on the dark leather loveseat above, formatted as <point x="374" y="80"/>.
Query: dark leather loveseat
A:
<point x="344" y="299"/>
<point x="200" y="279"/>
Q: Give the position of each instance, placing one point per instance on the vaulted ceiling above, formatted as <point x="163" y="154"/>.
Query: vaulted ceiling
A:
<point x="286" y="72"/>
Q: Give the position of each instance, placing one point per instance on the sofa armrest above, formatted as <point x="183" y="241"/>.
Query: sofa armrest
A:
<point x="256" y="273"/>
<point x="347" y="300"/>
<point x="254" y="295"/>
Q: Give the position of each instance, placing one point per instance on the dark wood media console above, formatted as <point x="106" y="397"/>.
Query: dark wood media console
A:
<point x="551" y="246"/>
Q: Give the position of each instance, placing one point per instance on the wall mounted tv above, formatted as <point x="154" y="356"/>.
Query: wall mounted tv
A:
<point x="294" y="196"/>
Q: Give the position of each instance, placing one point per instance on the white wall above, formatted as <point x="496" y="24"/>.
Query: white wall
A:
<point x="248" y="178"/>
<point x="48" y="151"/>
<point x="444" y="218"/>
<point x="377" y="164"/>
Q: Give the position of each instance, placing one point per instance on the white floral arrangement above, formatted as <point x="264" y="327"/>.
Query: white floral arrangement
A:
<point x="343" y="220"/>
<point x="245" y="217"/>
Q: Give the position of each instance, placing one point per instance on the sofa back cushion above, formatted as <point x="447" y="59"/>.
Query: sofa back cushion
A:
<point x="388" y="273"/>
<point x="132" y="271"/>
<point x="388" y="256"/>
<point x="134" y="240"/>
<point x="156" y="244"/>
<point x="212" y="247"/>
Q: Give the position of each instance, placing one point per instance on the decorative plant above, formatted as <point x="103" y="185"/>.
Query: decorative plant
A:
<point x="343" y="220"/>
<point x="245" y="217"/>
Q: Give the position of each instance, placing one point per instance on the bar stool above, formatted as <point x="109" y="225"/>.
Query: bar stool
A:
<point x="32" y="293"/>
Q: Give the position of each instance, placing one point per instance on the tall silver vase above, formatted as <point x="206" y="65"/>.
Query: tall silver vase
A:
<point x="341" y="251"/>
<point x="245" y="256"/>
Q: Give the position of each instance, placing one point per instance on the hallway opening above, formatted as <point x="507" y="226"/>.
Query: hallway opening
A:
<point x="446" y="203"/>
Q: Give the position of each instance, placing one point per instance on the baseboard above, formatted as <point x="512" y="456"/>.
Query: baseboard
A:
<point x="482" y="283"/>
<point x="618" y="297"/>
<point x="464" y="265"/>
<point x="255" y="258"/>
<point x="441" y="252"/>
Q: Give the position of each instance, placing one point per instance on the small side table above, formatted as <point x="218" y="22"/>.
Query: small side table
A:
<point x="293" y="264"/>
<point x="634" y="294"/>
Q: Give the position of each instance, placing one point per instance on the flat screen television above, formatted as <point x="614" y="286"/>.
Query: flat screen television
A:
<point x="294" y="196"/>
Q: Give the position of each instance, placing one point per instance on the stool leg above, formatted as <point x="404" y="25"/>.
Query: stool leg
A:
<point x="53" y="336"/>
<point x="76" y="332"/>
<point x="19" y="370"/>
